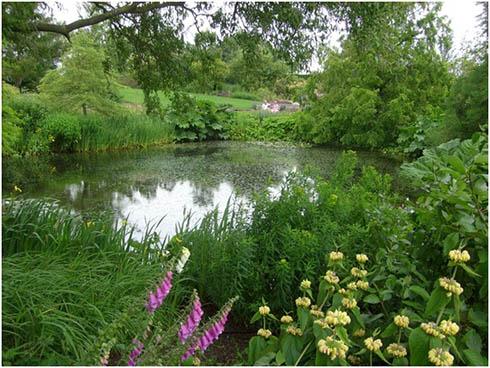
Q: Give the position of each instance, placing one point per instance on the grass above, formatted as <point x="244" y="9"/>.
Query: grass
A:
<point x="135" y="96"/>
<point x="130" y="130"/>
<point x="67" y="279"/>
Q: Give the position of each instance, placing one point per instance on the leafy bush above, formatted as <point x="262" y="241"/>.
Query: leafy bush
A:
<point x="196" y="120"/>
<point x="263" y="127"/>
<point x="356" y="318"/>
<point x="63" y="131"/>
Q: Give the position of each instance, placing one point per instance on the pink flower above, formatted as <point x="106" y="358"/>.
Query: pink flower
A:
<point x="155" y="300"/>
<point x="135" y="353"/>
<point x="192" y="321"/>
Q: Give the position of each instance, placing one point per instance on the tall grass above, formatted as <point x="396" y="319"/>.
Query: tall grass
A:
<point x="66" y="279"/>
<point x="116" y="132"/>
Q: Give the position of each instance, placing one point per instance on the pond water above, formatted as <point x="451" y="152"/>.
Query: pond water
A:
<point x="146" y="185"/>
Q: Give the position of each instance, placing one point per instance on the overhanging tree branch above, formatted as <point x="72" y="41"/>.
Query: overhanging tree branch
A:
<point x="132" y="8"/>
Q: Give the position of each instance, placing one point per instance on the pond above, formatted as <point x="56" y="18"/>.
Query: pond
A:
<point x="146" y="185"/>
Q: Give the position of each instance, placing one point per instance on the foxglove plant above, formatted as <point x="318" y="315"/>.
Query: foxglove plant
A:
<point x="135" y="353"/>
<point x="192" y="321"/>
<point x="212" y="331"/>
<point x="156" y="299"/>
<point x="184" y="256"/>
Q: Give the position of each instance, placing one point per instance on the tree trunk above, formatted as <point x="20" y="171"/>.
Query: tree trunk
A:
<point x="84" y="108"/>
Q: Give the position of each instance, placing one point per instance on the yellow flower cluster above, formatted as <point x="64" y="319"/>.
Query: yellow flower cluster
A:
<point x="402" y="321"/>
<point x="352" y="286"/>
<point x="337" y="317"/>
<point x="358" y="273"/>
<point x="296" y="331"/>
<point x="440" y="357"/>
<point x="396" y="350"/>
<point x="363" y="285"/>
<point x="264" y="333"/>
<point x="362" y="258"/>
<point x="342" y="291"/>
<point x="333" y="348"/>
<point x="316" y="312"/>
<point x="286" y="319"/>
<point x="449" y="328"/>
<point x="354" y="360"/>
<point x="373" y="345"/>
<point x="322" y="323"/>
<point x="305" y="284"/>
<point x="450" y="285"/>
<point x="303" y="302"/>
<point x="331" y="277"/>
<point x="349" y="303"/>
<point x="359" y="332"/>
<point x="336" y="256"/>
<point x="264" y="310"/>
<point x="431" y="329"/>
<point x="458" y="256"/>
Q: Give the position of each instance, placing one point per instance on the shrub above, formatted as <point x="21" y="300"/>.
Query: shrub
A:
<point x="196" y="120"/>
<point x="63" y="131"/>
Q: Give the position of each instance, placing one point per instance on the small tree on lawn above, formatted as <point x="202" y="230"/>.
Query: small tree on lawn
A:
<point x="80" y="83"/>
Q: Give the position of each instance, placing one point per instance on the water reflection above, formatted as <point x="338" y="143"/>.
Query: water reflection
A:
<point x="146" y="185"/>
<point x="141" y="209"/>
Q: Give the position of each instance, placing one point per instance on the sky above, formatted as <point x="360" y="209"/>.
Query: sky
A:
<point x="461" y="13"/>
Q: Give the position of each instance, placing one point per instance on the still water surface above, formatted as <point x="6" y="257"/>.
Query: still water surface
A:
<point x="146" y="185"/>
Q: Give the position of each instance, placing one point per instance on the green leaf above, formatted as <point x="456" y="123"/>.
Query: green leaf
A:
<point x="344" y="336"/>
<point x="265" y="359"/>
<point x="438" y="299"/>
<point x="357" y="315"/>
<point x="472" y="340"/>
<point x="469" y="270"/>
<point x="280" y="360"/>
<point x="256" y="348"/>
<point x="420" y="291"/>
<point x="380" y="354"/>
<point x="390" y="330"/>
<point x="400" y="362"/>
<point x="372" y="299"/>
<point x="304" y="317"/>
<point x="256" y="317"/>
<point x="478" y="318"/>
<point x="418" y="342"/>
<point x="475" y="358"/>
<point x="456" y="163"/>
<point x="451" y="242"/>
<point x="291" y="348"/>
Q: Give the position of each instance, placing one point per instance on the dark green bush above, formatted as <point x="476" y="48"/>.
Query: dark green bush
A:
<point x="196" y="120"/>
<point x="63" y="131"/>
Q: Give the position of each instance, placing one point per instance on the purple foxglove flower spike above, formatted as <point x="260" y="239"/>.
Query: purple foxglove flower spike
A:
<point x="156" y="299"/>
<point x="135" y="353"/>
<point x="192" y="321"/>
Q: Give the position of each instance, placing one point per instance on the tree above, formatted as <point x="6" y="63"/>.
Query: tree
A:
<point x="468" y="98"/>
<point x="80" y="84"/>
<point x="208" y="69"/>
<point x="384" y="79"/>
<point x="26" y="56"/>
<point x="154" y="31"/>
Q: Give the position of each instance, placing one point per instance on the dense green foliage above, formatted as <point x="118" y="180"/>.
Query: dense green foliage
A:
<point x="368" y="91"/>
<point x="65" y="279"/>
<point x="196" y="120"/>
<point x="80" y="84"/>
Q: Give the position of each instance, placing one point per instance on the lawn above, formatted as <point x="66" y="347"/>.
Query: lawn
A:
<point x="135" y="96"/>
